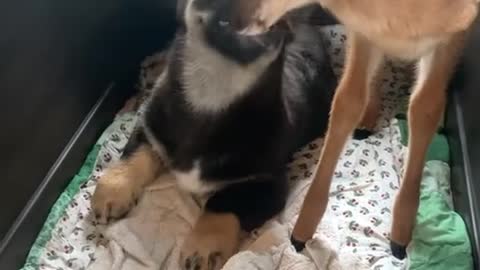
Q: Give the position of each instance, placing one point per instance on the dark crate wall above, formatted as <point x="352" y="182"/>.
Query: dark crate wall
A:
<point x="463" y="130"/>
<point x="57" y="60"/>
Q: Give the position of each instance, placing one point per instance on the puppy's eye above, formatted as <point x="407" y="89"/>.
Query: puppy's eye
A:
<point x="200" y="19"/>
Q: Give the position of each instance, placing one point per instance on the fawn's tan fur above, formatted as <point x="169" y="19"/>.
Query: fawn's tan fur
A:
<point x="431" y="32"/>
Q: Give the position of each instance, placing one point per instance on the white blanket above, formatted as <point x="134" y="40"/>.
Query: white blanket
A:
<point x="150" y="237"/>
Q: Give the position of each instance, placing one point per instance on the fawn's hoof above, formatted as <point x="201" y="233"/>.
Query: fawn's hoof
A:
<point x="298" y="245"/>
<point x="398" y="251"/>
<point x="361" y="134"/>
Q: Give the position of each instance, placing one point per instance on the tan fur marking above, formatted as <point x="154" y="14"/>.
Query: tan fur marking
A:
<point x="213" y="240"/>
<point x="121" y="184"/>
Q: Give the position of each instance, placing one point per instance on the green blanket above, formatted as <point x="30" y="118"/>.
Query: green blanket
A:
<point x="440" y="240"/>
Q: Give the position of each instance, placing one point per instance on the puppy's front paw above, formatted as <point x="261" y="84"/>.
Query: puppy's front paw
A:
<point x="114" y="196"/>
<point x="214" y="239"/>
<point x="206" y="260"/>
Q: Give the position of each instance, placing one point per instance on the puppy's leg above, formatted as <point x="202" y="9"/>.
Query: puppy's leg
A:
<point x="215" y="237"/>
<point x="349" y="104"/>
<point x="370" y="116"/>
<point x="121" y="184"/>
<point x="426" y="106"/>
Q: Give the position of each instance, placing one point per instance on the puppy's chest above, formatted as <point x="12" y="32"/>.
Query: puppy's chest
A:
<point x="214" y="82"/>
<point x="206" y="150"/>
<point x="180" y="133"/>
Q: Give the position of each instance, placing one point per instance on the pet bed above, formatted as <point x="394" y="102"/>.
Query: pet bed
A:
<point x="353" y="233"/>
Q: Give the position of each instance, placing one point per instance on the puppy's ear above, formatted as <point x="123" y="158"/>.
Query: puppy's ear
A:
<point x="180" y="11"/>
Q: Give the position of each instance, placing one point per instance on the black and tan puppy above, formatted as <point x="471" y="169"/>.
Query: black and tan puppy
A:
<point x="224" y="118"/>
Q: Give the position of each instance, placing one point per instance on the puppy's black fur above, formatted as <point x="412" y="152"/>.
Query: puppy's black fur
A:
<point x="244" y="147"/>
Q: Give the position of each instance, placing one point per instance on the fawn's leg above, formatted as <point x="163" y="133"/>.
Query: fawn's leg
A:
<point x="426" y="107"/>
<point x="349" y="103"/>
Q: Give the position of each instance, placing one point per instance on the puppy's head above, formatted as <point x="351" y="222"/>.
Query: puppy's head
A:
<point x="217" y="22"/>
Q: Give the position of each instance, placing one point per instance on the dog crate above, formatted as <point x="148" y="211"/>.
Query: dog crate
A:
<point x="67" y="67"/>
